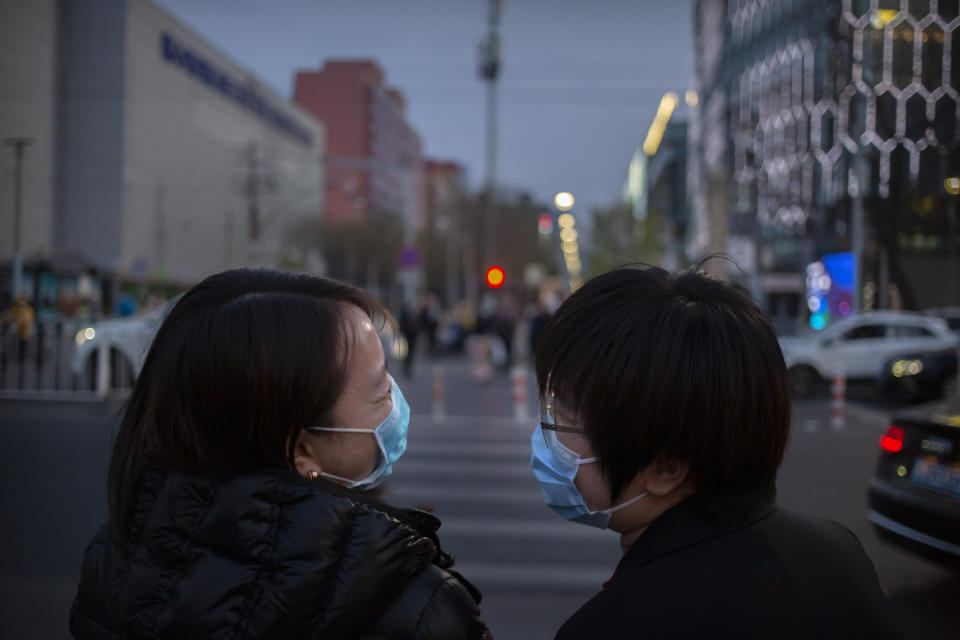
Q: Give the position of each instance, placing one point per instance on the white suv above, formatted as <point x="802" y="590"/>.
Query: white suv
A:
<point x="128" y="340"/>
<point x="859" y="345"/>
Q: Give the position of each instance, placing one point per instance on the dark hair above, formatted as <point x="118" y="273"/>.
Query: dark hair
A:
<point x="680" y="364"/>
<point x="244" y="361"/>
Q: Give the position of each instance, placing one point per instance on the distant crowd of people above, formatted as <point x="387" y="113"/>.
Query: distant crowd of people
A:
<point x="445" y="332"/>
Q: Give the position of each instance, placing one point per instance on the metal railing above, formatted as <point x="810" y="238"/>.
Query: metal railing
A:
<point x="41" y="363"/>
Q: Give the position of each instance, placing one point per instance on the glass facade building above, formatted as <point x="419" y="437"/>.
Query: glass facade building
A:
<point x="812" y="109"/>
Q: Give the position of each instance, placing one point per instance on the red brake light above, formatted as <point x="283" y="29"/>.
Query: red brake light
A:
<point x="892" y="441"/>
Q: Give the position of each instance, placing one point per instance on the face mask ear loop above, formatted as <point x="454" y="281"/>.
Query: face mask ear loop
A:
<point x="350" y="484"/>
<point x="624" y="505"/>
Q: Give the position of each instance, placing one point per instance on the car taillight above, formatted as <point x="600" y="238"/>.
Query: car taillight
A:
<point x="892" y="440"/>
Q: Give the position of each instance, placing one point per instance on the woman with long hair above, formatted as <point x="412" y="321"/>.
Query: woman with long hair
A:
<point x="241" y="486"/>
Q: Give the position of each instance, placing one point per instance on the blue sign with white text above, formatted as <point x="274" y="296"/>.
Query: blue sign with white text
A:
<point x="245" y="95"/>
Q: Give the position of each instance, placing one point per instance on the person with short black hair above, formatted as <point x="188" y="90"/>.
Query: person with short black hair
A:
<point x="664" y="414"/>
<point x="242" y="486"/>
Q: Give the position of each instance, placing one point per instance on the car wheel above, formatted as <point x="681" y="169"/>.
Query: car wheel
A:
<point x="90" y="373"/>
<point x="802" y="381"/>
<point x="121" y="371"/>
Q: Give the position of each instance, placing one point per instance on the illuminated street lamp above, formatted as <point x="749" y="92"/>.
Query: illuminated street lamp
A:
<point x="563" y="201"/>
<point x="568" y="239"/>
<point x="668" y="103"/>
<point x="952" y="185"/>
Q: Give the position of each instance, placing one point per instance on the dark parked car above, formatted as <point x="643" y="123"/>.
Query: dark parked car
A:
<point x="914" y="496"/>
<point x="931" y="374"/>
<point x="950" y="314"/>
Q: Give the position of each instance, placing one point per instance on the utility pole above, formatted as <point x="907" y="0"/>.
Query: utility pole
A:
<point x="228" y="239"/>
<point x="253" y="193"/>
<point x="160" y="229"/>
<point x="18" y="144"/>
<point x="452" y="274"/>
<point x="489" y="71"/>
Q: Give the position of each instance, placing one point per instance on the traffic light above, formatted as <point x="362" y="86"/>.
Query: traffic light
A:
<point x="545" y="224"/>
<point x="495" y="277"/>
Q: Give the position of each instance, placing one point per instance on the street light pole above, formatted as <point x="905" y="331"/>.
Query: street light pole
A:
<point x="253" y="193"/>
<point x="858" y="230"/>
<point x="491" y="168"/>
<point x="952" y="187"/>
<point x="18" y="144"/>
<point x="489" y="70"/>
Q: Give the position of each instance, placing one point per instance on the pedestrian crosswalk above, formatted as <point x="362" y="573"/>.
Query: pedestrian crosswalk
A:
<point x="534" y="568"/>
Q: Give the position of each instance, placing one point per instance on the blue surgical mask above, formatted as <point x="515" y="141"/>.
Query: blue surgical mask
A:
<point x="391" y="437"/>
<point x="555" y="466"/>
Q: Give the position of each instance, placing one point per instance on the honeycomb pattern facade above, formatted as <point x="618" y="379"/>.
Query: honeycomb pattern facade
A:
<point x="810" y="84"/>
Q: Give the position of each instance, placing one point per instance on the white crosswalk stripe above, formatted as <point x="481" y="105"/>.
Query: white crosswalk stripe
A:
<point x="437" y="447"/>
<point x="473" y="468"/>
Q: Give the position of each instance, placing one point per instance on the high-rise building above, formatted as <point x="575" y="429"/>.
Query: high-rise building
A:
<point x="446" y="211"/>
<point x="444" y="186"/>
<point x="374" y="162"/>
<point x="667" y="199"/>
<point x="651" y="223"/>
<point x="811" y="112"/>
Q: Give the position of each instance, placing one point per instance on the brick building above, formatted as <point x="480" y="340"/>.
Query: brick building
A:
<point x="374" y="162"/>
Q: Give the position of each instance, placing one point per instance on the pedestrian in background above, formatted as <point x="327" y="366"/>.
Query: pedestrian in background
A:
<point x="22" y="316"/>
<point x="240" y="486"/>
<point x="430" y="320"/>
<point x="547" y="304"/>
<point x="664" y="417"/>
<point x="409" y="322"/>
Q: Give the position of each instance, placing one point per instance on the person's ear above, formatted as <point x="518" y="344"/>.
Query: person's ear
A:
<point x="305" y="454"/>
<point x="665" y="475"/>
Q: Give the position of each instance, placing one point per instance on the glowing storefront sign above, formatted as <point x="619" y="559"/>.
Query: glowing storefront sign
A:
<point x="830" y="288"/>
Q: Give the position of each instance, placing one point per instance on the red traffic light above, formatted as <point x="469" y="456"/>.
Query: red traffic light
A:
<point x="545" y="223"/>
<point x="495" y="277"/>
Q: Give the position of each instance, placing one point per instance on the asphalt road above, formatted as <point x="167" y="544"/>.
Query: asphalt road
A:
<point x="471" y="466"/>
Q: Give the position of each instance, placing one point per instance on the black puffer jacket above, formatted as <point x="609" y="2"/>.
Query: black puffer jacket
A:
<point x="269" y="555"/>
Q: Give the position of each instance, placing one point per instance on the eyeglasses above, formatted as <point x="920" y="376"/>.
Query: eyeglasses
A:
<point x="572" y="438"/>
<point x="561" y="428"/>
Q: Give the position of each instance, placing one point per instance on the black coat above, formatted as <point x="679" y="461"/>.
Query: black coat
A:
<point x="269" y="555"/>
<point x="773" y="575"/>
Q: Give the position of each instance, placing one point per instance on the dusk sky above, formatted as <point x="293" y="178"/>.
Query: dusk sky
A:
<point x="581" y="80"/>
